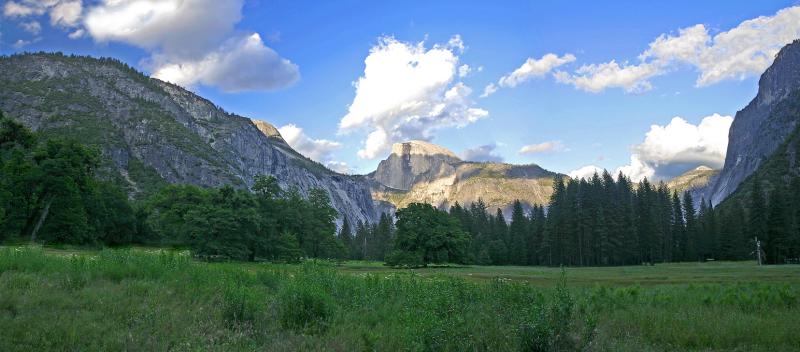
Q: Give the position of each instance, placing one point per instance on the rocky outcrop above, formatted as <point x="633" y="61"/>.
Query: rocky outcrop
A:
<point x="763" y="125"/>
<point x="421" y="172"/>
<point x="151" y="131"/>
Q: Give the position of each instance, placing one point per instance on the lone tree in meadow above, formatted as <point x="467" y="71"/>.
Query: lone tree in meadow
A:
<point x="427" y="235"/>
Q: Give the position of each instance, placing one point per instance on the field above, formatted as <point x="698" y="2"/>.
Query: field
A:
<point x="146" y="299"/>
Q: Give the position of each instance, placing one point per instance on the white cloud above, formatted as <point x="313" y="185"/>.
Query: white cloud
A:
<point x="63" y="13"/>
<point x="455" y="42"/>
<point x="319" y="150"/>
<point x="177" y="28"/>
<point x="671" y="150"/>
<point x="743" y="51"/>
<point x="32" y="27"/>
<point x="544" y="147"/>
<point x="21" y="43"/>
<point x="78" y="33"/>
<point x="407" y="92"/>
<point x="533" y="68"/>
<point x="241" y="64"/>
<point x="482" y="154"/>
<point x="22" y="9"/>
<point x="489" y="90"/>
<point x="597" y="77"/>
<point x="66" y="13"/>
<point x="530" y="69"/>
<point x="339" y="166"/>
<point x="464" y="70"/>
<point x="193" y="42"/>
<point x="585" y="172"/>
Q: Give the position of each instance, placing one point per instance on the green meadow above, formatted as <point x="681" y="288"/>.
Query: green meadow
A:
<point x="155" y="300"/>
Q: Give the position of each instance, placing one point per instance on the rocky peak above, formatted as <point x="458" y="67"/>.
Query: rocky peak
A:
<point x="782" y="78"/>
<point x="416" y="147"/>
<point x="412" y="162"/>
<point x="267" y="129"/>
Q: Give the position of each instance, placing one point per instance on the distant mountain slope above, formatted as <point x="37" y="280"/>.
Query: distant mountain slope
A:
<point x="696" y="181"/>
<point x="419" y="171"/>
<point x="763" y="125"/>
<point x="152" y="132"/>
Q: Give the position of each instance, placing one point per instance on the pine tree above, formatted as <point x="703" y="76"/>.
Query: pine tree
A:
<point x="518" y="233"/>
<point x="346" y="237"/>
<point x="757" y="215"/>
<point x="779" y="231"/>
<point x="678" y="229"/>
<point x="690" y="217"/>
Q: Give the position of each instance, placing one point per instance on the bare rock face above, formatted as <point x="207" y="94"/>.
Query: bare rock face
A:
<point x="762" y="125"/>
<point x="421" y="172"/>
<point x="412" y="162"/>
<point x="154" y="132"/>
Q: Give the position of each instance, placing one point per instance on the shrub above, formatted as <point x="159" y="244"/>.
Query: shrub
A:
<point x="304" y="308"/>
<point x="406" y="259"/>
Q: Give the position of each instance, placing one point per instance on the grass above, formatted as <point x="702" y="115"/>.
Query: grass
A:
<point x="149" y="299"/>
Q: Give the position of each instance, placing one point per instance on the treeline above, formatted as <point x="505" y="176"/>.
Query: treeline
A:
<point x="608" y="221"/>
<point x="49" y="193"/>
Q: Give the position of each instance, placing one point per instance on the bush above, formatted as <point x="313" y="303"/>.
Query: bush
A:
<point x="304" y="308"/>
<point x="553" y="327"/>
<point x="241" y="304"/>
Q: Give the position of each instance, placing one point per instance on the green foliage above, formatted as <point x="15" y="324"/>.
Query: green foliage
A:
<point x="430" y="234"/>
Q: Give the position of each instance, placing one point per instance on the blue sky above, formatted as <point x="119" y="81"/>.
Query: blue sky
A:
<point x="301" y="67"/>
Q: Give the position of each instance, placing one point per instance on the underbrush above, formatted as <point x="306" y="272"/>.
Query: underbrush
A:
<point x="163" y="300"/>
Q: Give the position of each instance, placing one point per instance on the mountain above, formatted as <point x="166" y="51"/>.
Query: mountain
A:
<point x="763" y="125"/>
<point x="695" y="181"/>
<point x="418" y="171"/>
<point x="153" y="133"/>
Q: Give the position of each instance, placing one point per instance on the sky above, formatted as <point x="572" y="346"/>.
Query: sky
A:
<point x="644" y="88"/>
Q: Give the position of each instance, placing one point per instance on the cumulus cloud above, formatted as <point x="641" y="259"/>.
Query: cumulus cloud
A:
<point x="743" y="51"/>
<point x="177" y="28"/>
<point x="192" y="42"/>
<point x="407" y="92"/>
<point x="483" y="153"/>
<point x="319" y="150"/>
<point x="241" y="64"/>
<point x="530" y="69"/>
<point x="585" y="172"/>
<point x="668" y="151"/>
<point x="544" y="147"/>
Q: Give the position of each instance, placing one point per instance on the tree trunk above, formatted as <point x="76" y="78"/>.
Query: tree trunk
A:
<point x="42" y="218"/>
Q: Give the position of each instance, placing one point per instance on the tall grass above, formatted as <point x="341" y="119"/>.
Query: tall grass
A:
<point x="163" y="300"/>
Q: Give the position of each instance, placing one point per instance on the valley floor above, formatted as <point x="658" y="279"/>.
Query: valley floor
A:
<point x="148" y="299"/>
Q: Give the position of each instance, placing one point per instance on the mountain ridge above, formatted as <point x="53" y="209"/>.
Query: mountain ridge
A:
<point x="152" y="132"/>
